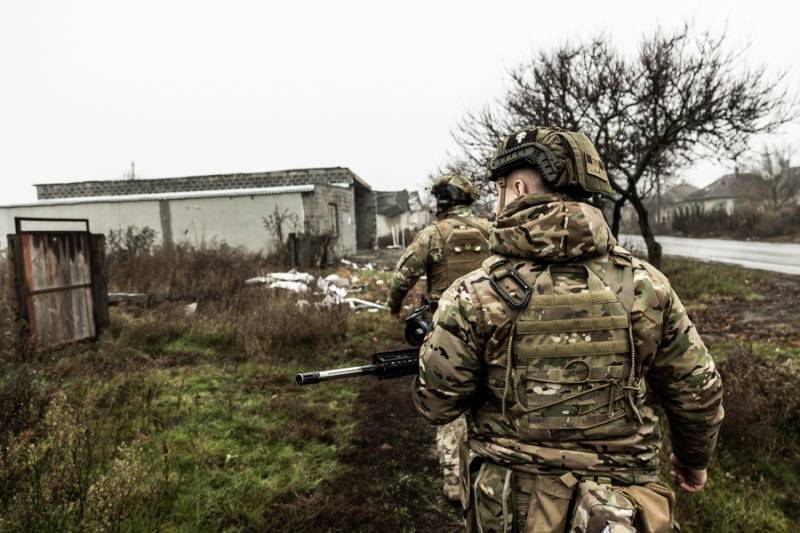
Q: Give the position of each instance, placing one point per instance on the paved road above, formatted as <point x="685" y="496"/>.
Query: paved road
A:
<point x="762" y="255"/>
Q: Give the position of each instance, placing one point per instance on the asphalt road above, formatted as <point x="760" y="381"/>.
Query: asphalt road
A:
<point x="777" y="257"/>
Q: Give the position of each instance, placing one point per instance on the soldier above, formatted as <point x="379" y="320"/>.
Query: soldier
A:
<point x="455" y="245"/>
<point x="553" y="347"/>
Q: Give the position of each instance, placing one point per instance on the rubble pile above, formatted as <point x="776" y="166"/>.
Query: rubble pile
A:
<point x="335" y="289"/>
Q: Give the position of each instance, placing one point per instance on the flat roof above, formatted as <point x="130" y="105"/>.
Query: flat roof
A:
<point x="220" y="193"/>
<point x="277" y="173"/>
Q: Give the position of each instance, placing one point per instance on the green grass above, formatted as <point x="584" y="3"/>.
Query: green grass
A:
<point x="733" y="503"/>
<point x="703" y="282"/>
<point x="721" y="350"/>
<point x="236" y="446"/>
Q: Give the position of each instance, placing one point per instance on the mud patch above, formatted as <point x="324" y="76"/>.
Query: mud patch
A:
<point x="393" y="481"/>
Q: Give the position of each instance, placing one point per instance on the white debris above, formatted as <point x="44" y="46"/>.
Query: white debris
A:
<point x="334" y="295"/>
<point x="379" y="282"/>
<point x="337" y="280"/>
<point x="294" y="286"/>
<point x="273" y="277"/>
<point x="191" y="309"/>
<point x="355" y="303"/>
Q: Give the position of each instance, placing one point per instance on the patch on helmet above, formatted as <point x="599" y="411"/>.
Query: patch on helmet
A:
<point x="594" y="167"/>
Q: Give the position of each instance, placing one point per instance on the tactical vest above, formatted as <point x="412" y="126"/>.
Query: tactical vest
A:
<point x="570" y="359"/>
<point x="465" y="245"/>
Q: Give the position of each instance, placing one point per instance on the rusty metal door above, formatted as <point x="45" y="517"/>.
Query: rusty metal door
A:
<point x="55" y="281"/>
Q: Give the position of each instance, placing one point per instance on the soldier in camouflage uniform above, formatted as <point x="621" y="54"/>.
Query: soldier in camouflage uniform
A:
<point x="558" y="349"/>
<point x="455" y="245"/>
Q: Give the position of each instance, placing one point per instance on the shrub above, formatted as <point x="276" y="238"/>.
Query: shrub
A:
<point x="762" y="403"/>
<point x="744" y="223"/>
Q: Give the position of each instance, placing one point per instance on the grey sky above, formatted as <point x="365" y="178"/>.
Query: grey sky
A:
<point x="195" y="87"/>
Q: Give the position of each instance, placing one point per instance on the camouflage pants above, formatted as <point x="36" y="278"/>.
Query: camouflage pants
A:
<point x="448" y="440"/>
<point x="502" y="500"/>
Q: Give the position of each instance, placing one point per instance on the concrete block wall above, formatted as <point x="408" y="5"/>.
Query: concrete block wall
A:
<point x="315" y="176"/>
<point x="317" y="215"/>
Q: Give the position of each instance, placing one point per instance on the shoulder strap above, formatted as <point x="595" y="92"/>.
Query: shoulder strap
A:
<point x="493" y="262"/>
<point x="444" y="229"/>
<point x="626" y="294"/>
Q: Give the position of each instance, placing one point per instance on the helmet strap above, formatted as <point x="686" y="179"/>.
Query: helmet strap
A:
<point x="501" y="184"/>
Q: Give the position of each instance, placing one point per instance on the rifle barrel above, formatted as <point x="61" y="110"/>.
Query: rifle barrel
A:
<point x="310" y="378"/>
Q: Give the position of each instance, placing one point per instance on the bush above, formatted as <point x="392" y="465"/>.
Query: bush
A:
<point x="744" y="223"/>
<point x="182" y="270"/>
<point x="762" y="403"/>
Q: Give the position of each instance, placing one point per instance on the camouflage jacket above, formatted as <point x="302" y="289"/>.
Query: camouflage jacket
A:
<point x="423" y="252"/>
<point x="472" y="325"/>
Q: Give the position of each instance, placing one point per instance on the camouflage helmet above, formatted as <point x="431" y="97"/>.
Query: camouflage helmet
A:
<point x="567" y="160"/>
<point x="452" y="189"/>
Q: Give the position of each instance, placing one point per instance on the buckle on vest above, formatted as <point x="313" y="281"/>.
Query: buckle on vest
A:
<point x="518" y="281"/>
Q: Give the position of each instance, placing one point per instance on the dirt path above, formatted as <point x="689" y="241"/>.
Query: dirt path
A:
<point x="393" y="482"/>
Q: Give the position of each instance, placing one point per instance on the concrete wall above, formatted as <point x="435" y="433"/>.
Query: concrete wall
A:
<point x="318" y="216"/>
<point x="236" y="220"/>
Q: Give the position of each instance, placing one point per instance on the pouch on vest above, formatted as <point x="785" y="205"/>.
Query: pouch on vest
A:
<point x="655" y="505"/>
<point x="492" y="508"/>
<point x="464" y="247"/>
<point x="599" y="508"/>
<point x="550" y="500"/>
<point x="572" y="363"/>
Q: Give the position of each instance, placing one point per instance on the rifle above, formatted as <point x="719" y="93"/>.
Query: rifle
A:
<point x="385" y="365"/>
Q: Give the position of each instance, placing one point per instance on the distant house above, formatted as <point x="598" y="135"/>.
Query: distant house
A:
<point x="731" y="193"/>
<point x="664" y="208"/>
<point x="399" y="214"/>
<point x="223" y="207"/>
<point x="661" y="210"/>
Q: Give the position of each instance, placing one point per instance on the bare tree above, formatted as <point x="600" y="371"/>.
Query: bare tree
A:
<point x="683" y="96"/>
<point x="274" y="223"/>
<point x="776" y="169"/>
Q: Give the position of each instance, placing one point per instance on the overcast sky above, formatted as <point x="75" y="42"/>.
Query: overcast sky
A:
<point x="187" y="87"/>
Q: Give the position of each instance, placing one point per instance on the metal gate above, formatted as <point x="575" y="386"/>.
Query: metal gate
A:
<point x="60" y="287"/>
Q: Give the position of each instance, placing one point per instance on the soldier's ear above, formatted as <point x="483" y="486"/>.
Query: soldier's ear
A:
<point x="521" y="188"/>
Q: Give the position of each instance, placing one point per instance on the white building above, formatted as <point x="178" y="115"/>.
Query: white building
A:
<point x="230" y="208"/>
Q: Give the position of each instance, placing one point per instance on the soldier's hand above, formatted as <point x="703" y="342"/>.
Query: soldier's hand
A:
<point x="687" y="478"/>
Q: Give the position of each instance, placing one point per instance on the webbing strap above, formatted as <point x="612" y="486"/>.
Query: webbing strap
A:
<point x="569" y="325"/>
<point x="493" y="262"/>
<point x="599" y="297"/>
<point x="565" y="350"/>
